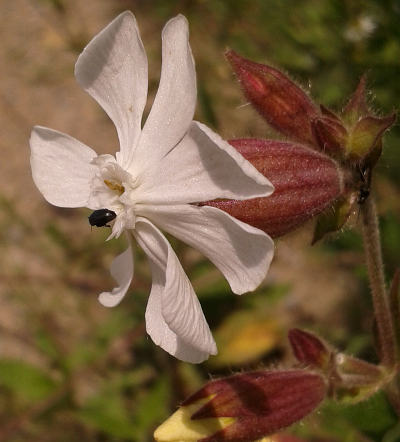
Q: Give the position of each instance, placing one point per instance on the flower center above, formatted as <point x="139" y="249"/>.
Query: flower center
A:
<point x="113" y="185"/>
<point x="113" y="188"/>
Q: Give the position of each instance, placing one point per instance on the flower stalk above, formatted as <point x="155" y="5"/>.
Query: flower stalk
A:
<point x="373" y="253"/>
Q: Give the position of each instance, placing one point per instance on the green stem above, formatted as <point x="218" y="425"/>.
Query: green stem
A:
<point x="373" y="252"/>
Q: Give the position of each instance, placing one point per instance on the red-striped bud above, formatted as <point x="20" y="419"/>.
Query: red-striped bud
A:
<point x="309" y="349"/>
<point x="281" y="102"/>
<point x="330" y="135"/>
<point x="306" y="183"/>
<point x="258" y="404"/>
<point x="262" y="402"/>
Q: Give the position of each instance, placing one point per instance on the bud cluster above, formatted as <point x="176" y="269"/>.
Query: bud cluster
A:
<point x="324" y="163"/>
<point x="250" y="406"/>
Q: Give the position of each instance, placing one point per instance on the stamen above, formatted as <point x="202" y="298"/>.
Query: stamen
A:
<point x="116" y="187"/>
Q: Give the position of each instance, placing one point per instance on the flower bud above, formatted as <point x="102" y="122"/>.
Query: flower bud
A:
<point x="309" y="349"/>
<point x="364" y="143"/>
<point x="356" y="380"/>
<point x="280" y="102"/>
<point x="366" y="137"/>
<point x="354" y="367"/>
<point x="350" y="380"/>
<point x="357" y="106"/>
<point x="258" y="404"/>
<point x="306" y="183"/>
<point x="181" y="427"/>
<point x="330" y="135"/>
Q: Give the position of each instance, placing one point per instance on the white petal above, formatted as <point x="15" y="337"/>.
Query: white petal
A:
<point x="61" y="167"/>
<point x="122" y="271"/>
<point x="174" y="318"/>
<point x="175" y="102"/>
<point x="241" y="252"/>
<point x="161" y="334"/>
<point x="113" y="70"/>
<point x="203" y="167"/>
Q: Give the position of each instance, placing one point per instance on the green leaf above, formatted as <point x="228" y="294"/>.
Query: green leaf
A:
<point x="107" y="412"/>
<point x="152" y="408"/>
<point x="117" y="413"/>
<point x="116" y="324"/>
<point x="393" y="435"/>
<point x="372" y="416"/>
<point x="28" y="382"/>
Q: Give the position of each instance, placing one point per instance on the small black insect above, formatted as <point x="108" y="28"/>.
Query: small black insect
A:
<point x="365" y="187"/>
<point x="363" y="194"/>
<point x="101" y="217"/>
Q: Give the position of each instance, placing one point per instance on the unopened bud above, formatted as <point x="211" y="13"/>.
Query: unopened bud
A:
<point x="351" y="366"/>
<point x="366" y="136"/>
<point x="357" y="380"/>
<point x="181" y="427"/>
<point x="330" y="135"/>
<point x="365" y="130"/>
<point x="306" y="183"/>
<point x="309" y="349"/>
<point x="279" y="100"/>
<point x="357" y="106"/>
<point x="258" y="404"/>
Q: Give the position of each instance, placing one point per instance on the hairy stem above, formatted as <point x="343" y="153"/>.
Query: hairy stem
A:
<point x="373" y="252"/>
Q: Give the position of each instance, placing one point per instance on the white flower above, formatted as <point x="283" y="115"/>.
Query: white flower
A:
<point x="159" y="170"/>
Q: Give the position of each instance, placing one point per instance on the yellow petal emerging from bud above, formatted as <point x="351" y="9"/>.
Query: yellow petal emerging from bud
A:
<point x="245" y="407"/>
<point x="181" y="428"/>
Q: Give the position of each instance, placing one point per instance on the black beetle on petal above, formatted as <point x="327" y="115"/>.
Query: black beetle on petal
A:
<point x="101" y="217"/>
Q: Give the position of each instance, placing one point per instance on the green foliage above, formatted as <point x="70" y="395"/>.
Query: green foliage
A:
<point x="107" y="413"/>
<point x="374" y="417"/>
<point x="27" y="382"/>
<point x="151" y="408"/>
<point x="112" y="412"/>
